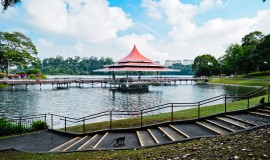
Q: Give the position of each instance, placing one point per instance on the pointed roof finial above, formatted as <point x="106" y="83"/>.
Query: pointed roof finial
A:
<point x="135" y="56"/>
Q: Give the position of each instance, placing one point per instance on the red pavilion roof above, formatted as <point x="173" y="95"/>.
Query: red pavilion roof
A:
<point x="135" y="61"/>
<point x="134" y="56"/>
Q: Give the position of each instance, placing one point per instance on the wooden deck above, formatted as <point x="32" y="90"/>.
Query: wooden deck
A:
<point x="116" y="83"/>
<point x="98" y="80"/>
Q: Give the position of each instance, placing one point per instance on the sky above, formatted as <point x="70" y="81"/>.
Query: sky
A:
<point x="161" y="29"/>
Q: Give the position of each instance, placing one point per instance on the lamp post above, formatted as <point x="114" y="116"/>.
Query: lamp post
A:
<point x="210" y="64"/>
<point x="221" y="68"/>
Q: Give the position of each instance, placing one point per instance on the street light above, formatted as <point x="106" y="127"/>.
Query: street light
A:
<point x="210" y="64"/>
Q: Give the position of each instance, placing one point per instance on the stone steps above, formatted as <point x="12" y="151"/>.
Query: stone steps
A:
<point x="168" y="132"/>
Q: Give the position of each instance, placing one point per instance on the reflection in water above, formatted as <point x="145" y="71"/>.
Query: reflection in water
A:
<point x="78" y="102"/>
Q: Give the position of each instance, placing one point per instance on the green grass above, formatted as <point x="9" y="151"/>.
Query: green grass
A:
<point x="261" y="81"/>
<point x="254" y="79"/>
<point x="177" y="115"/>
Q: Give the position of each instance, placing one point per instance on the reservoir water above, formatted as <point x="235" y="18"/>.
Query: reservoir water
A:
<point x="78" y="102"/>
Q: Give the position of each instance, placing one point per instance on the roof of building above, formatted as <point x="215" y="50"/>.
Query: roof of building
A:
<point x="135" y="61"/>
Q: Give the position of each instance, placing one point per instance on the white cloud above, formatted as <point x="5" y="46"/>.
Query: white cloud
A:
<point x="45" y="43"/>
<point x="152" y="9"/>
<point x="92" y="20"/>
<point x="263" y="21"/>
<point x="79" y="47"/>
<point x="208" y="4"/>
<point x="89" y="28"/>
<point x="189" y="40"/>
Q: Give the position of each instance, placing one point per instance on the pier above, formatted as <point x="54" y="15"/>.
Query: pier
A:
<point x="117" y="82"/>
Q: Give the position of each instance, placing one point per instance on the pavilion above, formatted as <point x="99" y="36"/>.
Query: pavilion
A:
<point x="135" y="62"/>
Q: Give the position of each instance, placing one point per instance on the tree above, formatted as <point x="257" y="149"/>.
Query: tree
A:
<point x="262" y="52"/>
<point x="250" y="60"/>
<point x="205" y="65"/>
<point x="9" y="3"/>
<point x="16" y="49"/>
<point x="233" y="58"/>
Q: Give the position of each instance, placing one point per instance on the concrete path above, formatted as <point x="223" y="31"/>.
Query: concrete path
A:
<point x="154" y="135"/>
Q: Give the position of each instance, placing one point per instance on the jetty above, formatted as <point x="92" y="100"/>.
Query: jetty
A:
<point x="102" y="82"/>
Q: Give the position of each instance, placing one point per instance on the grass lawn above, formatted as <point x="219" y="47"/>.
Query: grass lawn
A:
<point x="254" y="79"/>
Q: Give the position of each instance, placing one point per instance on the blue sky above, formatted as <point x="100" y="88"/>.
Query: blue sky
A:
<point x="161" y="29"/>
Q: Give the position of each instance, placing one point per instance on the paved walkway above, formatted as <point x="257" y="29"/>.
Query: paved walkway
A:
<point x="159" y="134"/>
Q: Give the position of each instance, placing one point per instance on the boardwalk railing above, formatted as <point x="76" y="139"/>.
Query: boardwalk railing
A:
<point x="112" y="115"/>
<point x="95" y="80"/>
<point x="19" y="125"/>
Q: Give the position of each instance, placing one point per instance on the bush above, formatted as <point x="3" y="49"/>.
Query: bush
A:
<point x="7" y="127"/>
<point x="43" y="76"/>
<point x="34" y="71"/>
<point x="10" y="76"/>
<point x="32" y="76"/>
<point x="2" y="75"/>
<point x="39" y="125"/>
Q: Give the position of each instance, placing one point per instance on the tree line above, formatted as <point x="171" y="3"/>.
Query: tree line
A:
<point x="72" y="66"/>
<point x="253" y="54"/>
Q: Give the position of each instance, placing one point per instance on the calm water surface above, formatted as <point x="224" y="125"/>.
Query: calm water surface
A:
<point x="78" y="102"/>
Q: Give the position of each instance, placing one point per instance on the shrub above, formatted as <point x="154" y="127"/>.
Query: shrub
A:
<point x="34" y="71"/>
<point x="43" y="76"/>
<point x="16" y="76"/>
<point x="23" y="75"/>
<point x="32" y="76"/>
<point x="10" y="76"/>
<point x="7" y="127"/>
<point x="2" y="75"/>
<point x="39" y="125"/>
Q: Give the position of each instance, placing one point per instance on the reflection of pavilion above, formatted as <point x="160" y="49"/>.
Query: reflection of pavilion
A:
<point x="134" y="62"/>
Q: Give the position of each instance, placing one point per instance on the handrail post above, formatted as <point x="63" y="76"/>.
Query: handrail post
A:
<point x="268" y="93"/>
<point x="65" y="124"/>
<point x="199" y="110"/>
<point x="248" y="102"/>
<point x="110" y="120"/>
<point x="141" y="118"/>
<point x="20" y="124"/>
<point x="45" y="120"/>
<point x="51" y="121"/>
<point x="172" y="114"/>
<point x="225" y="103"/>
<point x="83" y="125"/>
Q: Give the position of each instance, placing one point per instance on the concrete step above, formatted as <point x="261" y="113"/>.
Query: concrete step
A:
<point x="260" y="114"/>
<point x="145" y="138"/>
<point x="220" y="125"/>
<point x="91" y="143"/>
<point x="172" y="133"/>
<point x="194" y="130"/>
<point x="253" y="118"/>
<point x="237" y="124"/>
<point x="268" y="107"/>
<point x="77" y="144"/>
<point x="159" y="135"/>
<point x="101" y="139"/>
<point x="61" y="147"/>
<point x="180" y="131"/>
<point x="130" y="140"/>
<point x="214" y="127"/>
<point x="239" y="121"/>
<point x="265" y="110"/>
<point x="228" y="125"/>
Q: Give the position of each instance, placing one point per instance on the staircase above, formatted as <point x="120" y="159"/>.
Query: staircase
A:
<point x="222" y="124"/>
